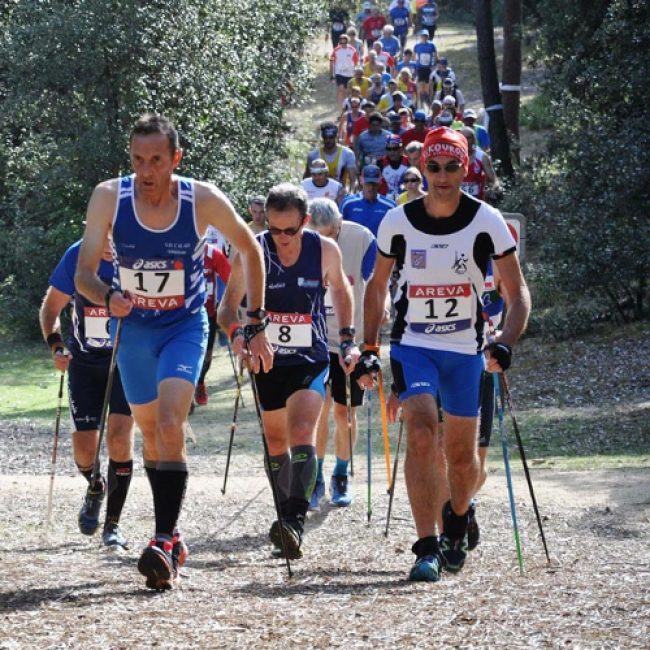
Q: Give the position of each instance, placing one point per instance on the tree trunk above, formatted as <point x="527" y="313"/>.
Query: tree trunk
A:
<point x="511" y="73"/>
<point x="500" y="147"/>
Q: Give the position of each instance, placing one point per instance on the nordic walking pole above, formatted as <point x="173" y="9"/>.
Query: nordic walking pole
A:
<point x="500" y="406"/>
<point x="55" y="446"/>
<point x="107" y="400"/>
<point x="391" y="491"/>
<point x="267" y="460"/>
<point x="233" y="426"/>
<point x="506" y="391"/>
<point x="238" y="377"/>
<point x="348" y="406"/>
<point x="369" y="395"/>
<point x="384" y="425"/>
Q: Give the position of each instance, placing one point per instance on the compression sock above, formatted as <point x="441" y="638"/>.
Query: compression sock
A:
<point x="119" y="479"/>
<point x="281" y="469"/>
<point x="341" y="467"/>
<point x="304" y="467"/>
<point x="319" y="475"/>
<point x="168" y="494"/>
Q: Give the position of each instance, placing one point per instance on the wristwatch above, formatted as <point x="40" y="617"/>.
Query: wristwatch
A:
<point x="259" y="313"/>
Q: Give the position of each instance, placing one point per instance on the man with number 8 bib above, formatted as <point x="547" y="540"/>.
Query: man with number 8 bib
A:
<point x="158" y="221"/>
<point x="299" y="265"/>
<point x="440" y="246"/>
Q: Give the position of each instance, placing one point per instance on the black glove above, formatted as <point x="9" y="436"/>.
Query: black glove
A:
<point x="368" y="364"/>
<point x="502" y="353"/>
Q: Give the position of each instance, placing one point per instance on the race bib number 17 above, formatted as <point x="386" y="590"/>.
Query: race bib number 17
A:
<point x="153" y="284"/>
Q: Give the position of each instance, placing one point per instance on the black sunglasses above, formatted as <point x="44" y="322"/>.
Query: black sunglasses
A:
<point x="451" y="167"/>
<point x="411" y="180"/>
<point x="393" y="148"/>
<point x="289" y="232"/>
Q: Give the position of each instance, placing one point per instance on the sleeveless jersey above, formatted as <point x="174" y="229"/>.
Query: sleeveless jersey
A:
<point x="161" y="269"/>
<point x="295" y="304"/>
<point x="89" y="342"/>
<point x="429" y="15"/>
<point x="442" y="266"/>
<point x="330" y="190"/>
<point x="474" y="181"/>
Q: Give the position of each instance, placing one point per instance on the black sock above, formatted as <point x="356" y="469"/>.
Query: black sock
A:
<point x="281" y="469"/>
<point x="168" y="494"/>
<point x="150" y="469"/>
<point x="119" y="479"/>
<point x="87" y="473"/>
<point x="304" y="467"/>
<point x="454" y="526"/>
<point x="426" y="546"/>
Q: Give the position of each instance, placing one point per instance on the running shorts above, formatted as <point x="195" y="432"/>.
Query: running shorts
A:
<point x="149" y="354"/>
<point x="337" y="384"/>
<point x="455" y="377"/>
<point x="281" y="382"/>
<point x="86" y="390"/>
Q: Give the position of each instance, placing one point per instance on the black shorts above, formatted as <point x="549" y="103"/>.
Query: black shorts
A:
<point x="281" y="382"/>
<point x="86" y="388"/>
<point x="424" y="74"/>
<point x="487" y="410"/>
<point x="337" y="384"/>
<point x="341" y="80"/>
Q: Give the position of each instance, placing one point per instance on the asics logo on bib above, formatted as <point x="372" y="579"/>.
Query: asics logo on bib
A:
<point x="150" y="264"/>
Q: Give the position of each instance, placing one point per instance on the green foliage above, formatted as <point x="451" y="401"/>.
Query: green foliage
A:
<point x="82" y="71"/>
<point x="536" y="115"/>
<point x="588" y="198"/>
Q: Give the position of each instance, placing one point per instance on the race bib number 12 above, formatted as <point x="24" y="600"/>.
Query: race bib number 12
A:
<point x="153" y="284"/>
<point x="440" y="308"/>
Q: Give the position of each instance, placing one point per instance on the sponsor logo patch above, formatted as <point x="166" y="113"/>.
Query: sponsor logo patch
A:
<point x="419" y="258"/>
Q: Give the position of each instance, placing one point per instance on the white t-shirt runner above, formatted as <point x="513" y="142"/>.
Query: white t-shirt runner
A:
<point x="442" y="266"/>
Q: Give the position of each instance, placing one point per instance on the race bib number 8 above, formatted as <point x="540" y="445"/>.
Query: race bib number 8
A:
<point x="289" y="330"/>
<point x="96" y="322"/>
<point x="440" y="308"/>
<point x="153" y="284"/>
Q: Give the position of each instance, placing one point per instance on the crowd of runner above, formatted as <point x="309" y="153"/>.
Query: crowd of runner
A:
<point x="388" y="219"/>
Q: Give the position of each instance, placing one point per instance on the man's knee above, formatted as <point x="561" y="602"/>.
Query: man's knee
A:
<point x="421" y="439"/>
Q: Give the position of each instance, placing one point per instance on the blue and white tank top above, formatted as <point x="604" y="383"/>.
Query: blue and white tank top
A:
<point x="295" y="302"/>
<point x="161" y="269"/>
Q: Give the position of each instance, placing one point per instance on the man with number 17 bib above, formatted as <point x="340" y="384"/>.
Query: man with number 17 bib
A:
<point x="441" y="246"/>
<point x="300" y="264"/>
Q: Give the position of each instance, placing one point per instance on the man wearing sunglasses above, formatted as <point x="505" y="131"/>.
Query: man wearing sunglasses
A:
<point x="340" y="160"/>
<point x="300" y="265"/>
<point x="441" y="245"/>
<point x="393" y="166"/>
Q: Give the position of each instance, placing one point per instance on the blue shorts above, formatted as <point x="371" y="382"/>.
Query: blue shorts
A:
<point x="147" y="355"/>
<point x="455" y="377"/>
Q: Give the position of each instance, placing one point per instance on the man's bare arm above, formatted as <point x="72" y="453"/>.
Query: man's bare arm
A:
<point x="375" y="298"/>
<point x="515" y="292"/>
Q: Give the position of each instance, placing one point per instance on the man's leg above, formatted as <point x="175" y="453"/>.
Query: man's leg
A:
<point x="322" y="435"/>
<point x="201" y="392"/>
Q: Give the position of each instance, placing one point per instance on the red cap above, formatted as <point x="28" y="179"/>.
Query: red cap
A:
<point x="445" y="142"/>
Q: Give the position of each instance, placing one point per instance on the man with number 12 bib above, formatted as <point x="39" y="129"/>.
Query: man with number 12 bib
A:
<point x="299" y="265"/>
<point x="441" y="245"/>
<point x="158" y="221"/>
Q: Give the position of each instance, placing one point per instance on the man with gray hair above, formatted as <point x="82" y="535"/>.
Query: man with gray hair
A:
<point x="358" y="251"/>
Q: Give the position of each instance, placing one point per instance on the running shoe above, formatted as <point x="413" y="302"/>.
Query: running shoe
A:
<point x="292" y="529"/>
<point x="113" y="537"/>
<point x="157" y="564"/>
<point x="201" y="395"/>
<point x="317" y="495"/>
<point x="340" y="491"/>
<point x="473" y="532"/>
<point x="425" y="569"/>
<point x="89" y="514"/>
<point x="453" y="544"/>
<point x="179" y="552"/>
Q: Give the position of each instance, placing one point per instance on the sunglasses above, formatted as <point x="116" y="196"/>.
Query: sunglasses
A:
<point x="393" y="148"/>
<point x="434" y="168"/>
<point x="411" y="180"/>
<point x="289" y="232"/>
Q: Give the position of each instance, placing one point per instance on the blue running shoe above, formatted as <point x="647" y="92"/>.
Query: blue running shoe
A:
<point x="425" y="569"/>
<point x="89" y="514"/>
<point x="113" y="538"/>
<point x="340" y="492"/>
<point x="317" y="495"/>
